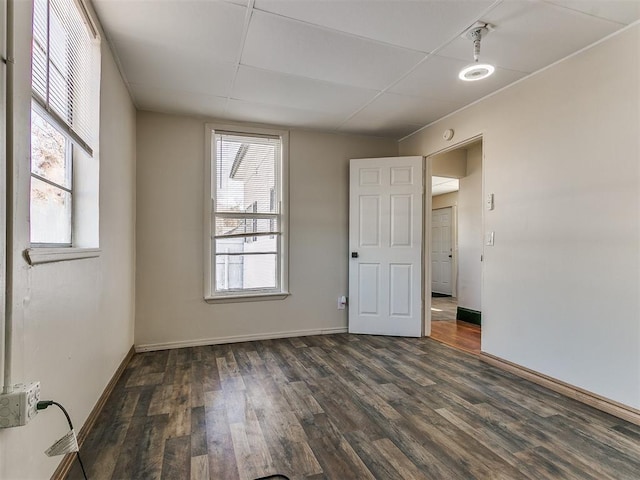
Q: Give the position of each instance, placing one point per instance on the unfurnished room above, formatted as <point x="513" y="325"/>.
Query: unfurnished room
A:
<point x="319" y="239"/>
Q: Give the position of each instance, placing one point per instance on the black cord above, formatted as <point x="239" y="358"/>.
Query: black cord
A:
<point x="47" y="403"/>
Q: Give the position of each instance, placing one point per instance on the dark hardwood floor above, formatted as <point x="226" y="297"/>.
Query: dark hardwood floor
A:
<point x="346" y="407"/>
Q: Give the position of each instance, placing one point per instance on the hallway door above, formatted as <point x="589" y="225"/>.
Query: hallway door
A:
<point x="441" y="251"/>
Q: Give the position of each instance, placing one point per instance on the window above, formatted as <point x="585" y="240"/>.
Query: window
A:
<point x="51" y="184"/>
<point x="64" y="123"/>
<point x="246" y="244"/>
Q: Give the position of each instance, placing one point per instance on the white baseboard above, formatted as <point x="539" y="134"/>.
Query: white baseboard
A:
<point x="150" y="347"/>
<point x="594" y="400"/>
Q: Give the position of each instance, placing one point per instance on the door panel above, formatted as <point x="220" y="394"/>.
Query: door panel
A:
<point x="369" y="221"/>
<point x="401" y="220"/>
<point x="369" y="288"/>
<point x="400" y="289"/>
<point x="385" y="235"/>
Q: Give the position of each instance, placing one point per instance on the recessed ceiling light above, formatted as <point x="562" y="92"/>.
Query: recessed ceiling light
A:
<point x="476" y="71"/>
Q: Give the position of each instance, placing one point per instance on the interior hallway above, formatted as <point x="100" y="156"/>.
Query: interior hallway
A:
<point x="446" y="329"/>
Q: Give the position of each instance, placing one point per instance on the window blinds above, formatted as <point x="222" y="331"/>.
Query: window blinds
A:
<point x="63" y="62"/>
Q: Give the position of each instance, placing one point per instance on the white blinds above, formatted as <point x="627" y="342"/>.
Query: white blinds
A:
<point x="63" y="62"/>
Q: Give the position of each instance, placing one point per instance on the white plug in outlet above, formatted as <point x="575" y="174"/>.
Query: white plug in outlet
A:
<point x="19" y="406"/>
<point x="342" y="302"/>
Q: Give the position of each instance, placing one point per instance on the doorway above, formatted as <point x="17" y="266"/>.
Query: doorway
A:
<point x="456" y="249"/>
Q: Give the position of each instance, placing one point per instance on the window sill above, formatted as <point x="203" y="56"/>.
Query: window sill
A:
<point x="37" y="256"/>
<point x="246" y="297"/>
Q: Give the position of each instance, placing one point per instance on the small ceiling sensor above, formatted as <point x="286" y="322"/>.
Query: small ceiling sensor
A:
<point x="448" y="134"/>
<point x="476" y="71"/>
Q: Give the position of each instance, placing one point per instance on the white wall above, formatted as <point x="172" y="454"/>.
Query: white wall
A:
<point x="561" y="291"/>
<point x="169" y="304"/>
<point x="470" y="231"/>
<point x="73" y="320"/>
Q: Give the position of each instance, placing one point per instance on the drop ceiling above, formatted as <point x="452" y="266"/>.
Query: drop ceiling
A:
<point x="384" y="68"/>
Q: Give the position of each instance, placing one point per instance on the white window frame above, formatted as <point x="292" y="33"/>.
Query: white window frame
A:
<point x="210" y="295"/>
<point x="69" y="154"/>
<point x="84" y="211"/>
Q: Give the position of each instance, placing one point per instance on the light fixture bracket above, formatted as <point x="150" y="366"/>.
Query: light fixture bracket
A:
<point x="484" y="27"/>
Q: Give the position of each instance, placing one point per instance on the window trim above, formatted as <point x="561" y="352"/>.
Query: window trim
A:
<point x="40" y="255"/>
<point x="210" y="296"/>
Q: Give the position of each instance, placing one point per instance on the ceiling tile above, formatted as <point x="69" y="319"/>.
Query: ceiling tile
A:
<point x="176" y="101"/>
<point x="623" y="11"/>
<point x="288" y="46"/>
<point x="416" y="25"/>
<point x="404" y="109"/>
<point x="380" y="129"/>
<point x="201" y="29"/>
<point x="273" y="88"/>
<point x="277" y="115"/>
<point x="161" y="68"/>
<point x="532" y="35"/>
<point x="437" y="77"/>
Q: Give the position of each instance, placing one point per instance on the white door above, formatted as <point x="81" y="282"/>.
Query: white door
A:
<point x="385" y="246"/>
<point x="441" y="251"/>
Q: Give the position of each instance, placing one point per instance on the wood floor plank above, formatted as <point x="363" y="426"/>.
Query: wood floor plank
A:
<point x="176" y="462"/>
<point x="346" y="407"/>
<point x="405" y="467"/>
<point x="198" y="432"/>
<point x="200" y="468"/>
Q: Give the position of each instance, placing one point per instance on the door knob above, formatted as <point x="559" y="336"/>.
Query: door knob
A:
<point x="450" y="256"/>
<point x="354" y="254"/>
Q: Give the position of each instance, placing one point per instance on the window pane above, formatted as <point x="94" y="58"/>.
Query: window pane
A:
<point x="239" y="272"/>
<point x="259" y="244"/>
<point x="50" y="213"/>
<point x="246" y="173"/>
<point x="234" y="226"/>
<point x="49" y="157"/>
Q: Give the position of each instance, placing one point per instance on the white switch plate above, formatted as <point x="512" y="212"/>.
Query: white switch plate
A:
<point x="490" y="238"/>
<point x="490" y="204"/>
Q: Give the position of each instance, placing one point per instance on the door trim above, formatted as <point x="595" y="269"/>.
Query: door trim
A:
<point x="426" y="252"/>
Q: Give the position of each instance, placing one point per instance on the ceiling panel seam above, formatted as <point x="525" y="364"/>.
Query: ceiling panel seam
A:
<point x="342" y="32"/>
<point x="582" y="12"/>
<point x="426" y="57"/>
<point x="245" y="32"/>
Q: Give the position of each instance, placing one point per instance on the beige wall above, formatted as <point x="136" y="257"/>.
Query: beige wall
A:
<point x="445" y="200"/>
<point x="74" y="319"/>
<point x="562" y="156"/>
<point x="470" y="231"/>
<point x="451" y="164"/>
<point x="169" y="306"/>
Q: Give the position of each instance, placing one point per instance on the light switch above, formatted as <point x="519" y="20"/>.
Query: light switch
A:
<point x="490" y="237"/>
<point x="490" y="201"/>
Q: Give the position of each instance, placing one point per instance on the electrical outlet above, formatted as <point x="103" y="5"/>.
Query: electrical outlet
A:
<point x="20" y="406"/>
<point x="342" y="302"/>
